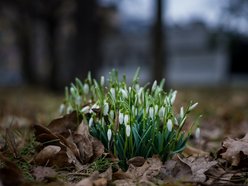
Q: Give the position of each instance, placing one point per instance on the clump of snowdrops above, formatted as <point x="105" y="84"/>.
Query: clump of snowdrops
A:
<point x="131" y="120"/>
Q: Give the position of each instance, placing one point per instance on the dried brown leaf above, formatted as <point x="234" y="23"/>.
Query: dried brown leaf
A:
<point x="136" y="161"/>
<point x="198" y="165"/>
<point x="41" y="173"/>
<point x="47" y="154"/>
<point x="233" y="149"/>
<point x="67" y="123"/>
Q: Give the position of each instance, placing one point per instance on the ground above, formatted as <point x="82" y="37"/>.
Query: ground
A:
<point x="224" y="114"/>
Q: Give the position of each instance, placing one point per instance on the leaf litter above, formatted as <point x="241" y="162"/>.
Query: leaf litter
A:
<point x="66" y="153"/>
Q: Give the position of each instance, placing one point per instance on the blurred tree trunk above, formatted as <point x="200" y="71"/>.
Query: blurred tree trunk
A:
<point x="158" y="44"/>
<point x="87" y="38"/>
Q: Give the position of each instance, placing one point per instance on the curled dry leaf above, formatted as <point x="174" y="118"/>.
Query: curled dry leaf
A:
<point x="147" y="171"/>
<point x="47" y="154"/>
<point x="89" y="147"/>
<point x="63" y="125"/>
<point x="234" y="150"/>
<point x="174" y="170"/>
<point x="198" y="165"/>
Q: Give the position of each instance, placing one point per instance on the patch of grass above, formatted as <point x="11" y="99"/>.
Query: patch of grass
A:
<point x="101" y="164"/>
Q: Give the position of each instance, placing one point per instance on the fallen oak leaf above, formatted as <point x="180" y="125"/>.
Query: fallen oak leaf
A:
<point x="47" y="154"/>
<point x="234" y="149"/>
<point x="41" y="173"/>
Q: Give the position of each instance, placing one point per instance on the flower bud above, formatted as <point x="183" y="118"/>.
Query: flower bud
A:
<point x="102" y="81"/>
<point x="111" y="114"/>
<point x="169" y="125"/>
<point x="90" y="122"/>
<point x="78" y="100"/>
<point x="112" y="91"/>
<point x="126" y="119"/>
<point x="61" y="108"/>
<point x="193" y="106"/>
<point x="109" y="134"/>
<point x="105" y="108"/>
<point x="124" y="93"/>
<point x="86" y="88"/>
<point x="151" y="112"/>
<point x="85" y="109"/>
<point x="128" y="130"/>
<point x="197" y="133"/>
<point x="69" y="109"/>
<point x="154" y="86"/>
<point x="173" y="97"/>
<point x="181" y="112"/>
<point x="121" y="118"/>
<point x="161" y="113"/>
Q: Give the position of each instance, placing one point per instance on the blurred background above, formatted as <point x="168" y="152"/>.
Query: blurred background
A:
<point x="199" y="46"/>
<point x="195" y="43"/>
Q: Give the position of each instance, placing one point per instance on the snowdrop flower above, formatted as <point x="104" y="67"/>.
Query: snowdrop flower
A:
<point x="154" y="86"/>
<point x="124" y="93"/>
<point x="72" y="90"/>
<point x="95" y="106"/>
<point x="137" y="87"/>
<point x="169" y="125"/>
<point x="102" y="81"/>
<point x="85" y="109"/>
<point x="151" y="112"/>
<point x="175" y="120"/>
<point x="112" y="91"/>
<point x="112" y="114"/>
<point x="121" y="118"/>
<point x="193" y="106"/>
<point x="105" y="108"/>
<point x="181" y="112"/>
<point x="197" y="133"/>
<point x="86" y="88"/>
<point x="69" y="109"/>
<point x="109" y="134"/>
<point x="90" y="122"/>
<point x="78" y="100"/>
<point x="173" y="97"/>
<point x="129" y="89"/>
<point x="61" y="108"/>
<point x="161" y="112"/>
<point x="126" y="119"/>
<point x="128" y="130"/>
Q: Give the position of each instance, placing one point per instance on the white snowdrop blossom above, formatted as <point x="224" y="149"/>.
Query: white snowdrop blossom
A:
<point x="128" y="130"/>
<point x="73" y="91"/>
<point x="181" y="112"/>
<point x="193" y="106"/>
<point x="95" y="106"/>
<point x="169" y="125"/>
<point x="112" y="114"/>
<point x="112" y="91"/>
<point x="161" y="112"/>
<point x="124" y="93"/>
<point x="137" y="87"/>
<point x="91" y="122"/>
<point x="173" y="97"/>
<point x="197" y="133"/>
<point x="175" y="121"/>
<point x="105" y="109"/>
<point x="61" y="108"/>
<point x="102" y="81"/>
<point x="86" y="88"/>
<point x="69" y="109"/>
<point x="85" y="109"/>
<point x="78" y="100"/>
<point x="151" y="112"/>
<point x="154" y="86"/>
<point x="109" y="134"/>
<point x="121" y="118"/>
<point x="126" y="119"/>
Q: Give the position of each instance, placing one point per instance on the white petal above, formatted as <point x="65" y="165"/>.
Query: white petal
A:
<point x="169" y="125"/>
<point x="109" y="134"/>
<point x="197" y="133"/>
<point x="128" y="130"/>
